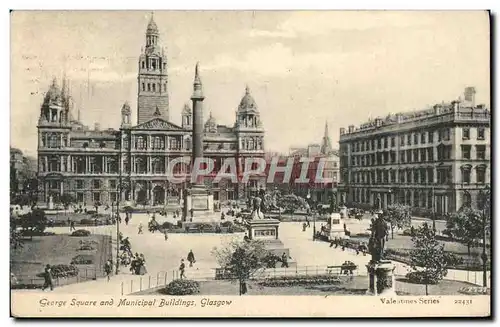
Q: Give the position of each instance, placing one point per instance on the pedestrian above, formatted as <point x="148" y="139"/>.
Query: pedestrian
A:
<point x="222" y="217"/>
<point x="284" y="260"/>
<point x="140" y="228"/>
<point x="108" y="267"/>
<point x="308" y="222"/>
<point x="182" y="269"/>
<point x="190" y="258"/>
<point x="72" y="226"/>
<point x="165" y="233"/>
<point x="48" y="278"/>
<point x="191" y="212"/>
<point x="304" y="226"/>
<point x="13" y="280"/>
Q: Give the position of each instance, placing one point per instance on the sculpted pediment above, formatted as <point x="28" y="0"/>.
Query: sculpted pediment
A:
<point x="158" y="124"/>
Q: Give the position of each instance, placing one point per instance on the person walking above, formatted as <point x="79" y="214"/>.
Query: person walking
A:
<point x="48" y="278"/>
<point x="139" y="228"/>
<point x="182" y="269"/>
<point x="165" y="233"/>
<point x="190" y="258"/>
<point x="72" y="226"/>
<point x="108" y="268"/>
<point x="284" y="261"/>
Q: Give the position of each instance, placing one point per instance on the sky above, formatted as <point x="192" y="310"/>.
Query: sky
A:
<point x="304" y="68"/>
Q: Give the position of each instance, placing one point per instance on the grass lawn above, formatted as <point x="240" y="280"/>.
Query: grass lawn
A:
<point x="354" y="286"/>
<point x="28" y="261"/>
<point x="404" y="242"/>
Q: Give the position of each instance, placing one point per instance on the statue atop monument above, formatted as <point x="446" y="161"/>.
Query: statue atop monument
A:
<point x="378" y="237"/>
<point x="256" y="208"/>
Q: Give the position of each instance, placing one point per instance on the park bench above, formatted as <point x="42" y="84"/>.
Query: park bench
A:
<point x="340" y="270"/>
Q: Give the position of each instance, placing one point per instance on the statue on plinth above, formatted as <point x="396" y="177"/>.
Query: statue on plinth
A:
<point x="256" y="208"/>
<point x="379" y="233"/>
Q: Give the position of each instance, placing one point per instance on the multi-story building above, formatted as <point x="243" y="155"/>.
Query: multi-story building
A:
<point x="435" y="160"/>
<point x="322" y="157"/>
<point x="22" y="172"/>
<point x="131" y="163"/>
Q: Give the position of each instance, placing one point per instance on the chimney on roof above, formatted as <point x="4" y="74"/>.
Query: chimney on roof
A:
<point x="455" y="105"/>
<point x="342" y="131"/>
<point x="351" y="128"/>
<point x="437" y="109"/>
<point x="378" y="122"/>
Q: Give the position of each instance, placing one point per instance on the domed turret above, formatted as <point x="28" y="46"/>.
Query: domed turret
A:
<point x="53" y="95"/>
<point x="211" y="124"/>
<point x="247" y="102"/>
<point x="152" y="28"/>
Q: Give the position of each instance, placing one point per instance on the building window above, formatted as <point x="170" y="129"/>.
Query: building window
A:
<point x="446" y="134"/>
<point x="422" y="138"/>
<point x="466" y="133"/>
<point x="402" y="140"/>
<point x="154" y="87"/>
<point x="466" y="151"/>
<point x="415" y="138"/>
<point x="149" y="87"/>
<point x="79" y="184"/>
<point x="481" y="152"/>
<point x="393" y="142"/>
<point x="481" y="174"/>
<point x="96" y="197"/>
<point x="386" y="142"/>
<point x="466" y="174"/>
<point x="379" y="143"/>
<point x="165" y="87"/>
<point x="96" y="184"/>
<point x="143" y="87"/>
<point x="143" y="65"/>
<point x="113" y="196"/>
<point x="430" y="175"/>
<point x="480" y="133"/>
<point x="112" y="184"/>
<point x="466" y="200"/>
<point x="430" y="154"/>
<point x="140" y="143"/>
<point x="415" y="155"/>
<point x="431" y="136"/>
<point x="409" y="139"/>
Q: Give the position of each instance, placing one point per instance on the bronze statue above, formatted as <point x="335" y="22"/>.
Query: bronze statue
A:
<point x="256" y="208"/>
<point x="376" y="244"/>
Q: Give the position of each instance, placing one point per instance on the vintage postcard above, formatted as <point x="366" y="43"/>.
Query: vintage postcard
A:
<point x="250" y="164"/>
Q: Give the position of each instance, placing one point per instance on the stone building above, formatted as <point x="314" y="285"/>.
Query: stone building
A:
<point x="435" y="160"/>
<point x="130" y="163"/>
<point x="320" y="192"/>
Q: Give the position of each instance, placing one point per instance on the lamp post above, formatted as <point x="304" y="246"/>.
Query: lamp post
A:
<point x="484" y="194"/>
<point x="308" y="196"/>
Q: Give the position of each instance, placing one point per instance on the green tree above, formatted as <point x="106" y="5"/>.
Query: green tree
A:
<point x="66" y="200"/>
<point x="466" y="225"/>
<point x="398" y="216"/>
<point x="34" y="222"/>
<point x="292" y="203"/>
<point x="16" y="239"/>
<point x="428" y="258"/>
<point x="242" y="259"/>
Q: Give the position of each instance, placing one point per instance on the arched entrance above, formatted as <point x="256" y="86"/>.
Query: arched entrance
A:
<point x="141" y="196"/>
<point x="158" y="195"/>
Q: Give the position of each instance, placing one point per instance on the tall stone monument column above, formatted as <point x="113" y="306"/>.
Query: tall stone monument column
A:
<point x="197" y="99"/>
<point x="198" y="199"/>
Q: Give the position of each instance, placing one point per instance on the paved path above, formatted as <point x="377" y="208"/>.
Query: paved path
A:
<point x="163" y="257"/>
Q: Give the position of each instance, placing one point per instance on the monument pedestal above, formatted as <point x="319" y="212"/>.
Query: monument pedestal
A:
<point x="266" y="230"/>
<point x="199" y="205"/>
<point x="381" y="277"/>
<point x="336" y="226"/>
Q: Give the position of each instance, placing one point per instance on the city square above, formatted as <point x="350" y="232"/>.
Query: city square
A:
<point x="402" y="206"/>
